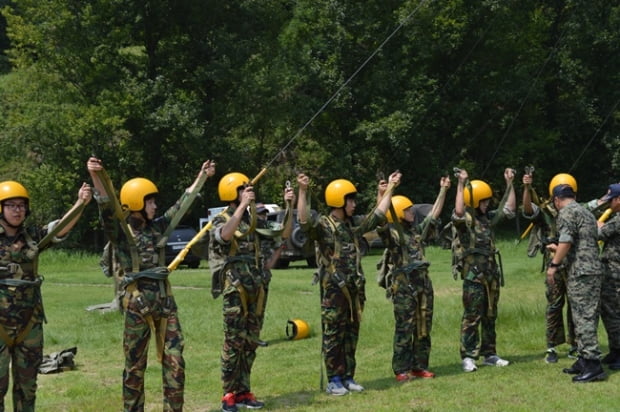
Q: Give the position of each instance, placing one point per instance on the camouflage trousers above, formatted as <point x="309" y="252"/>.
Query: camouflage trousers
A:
<point x="413" y="321"/>
<point x="340" y="331"/>
<point x="24" y="359"/>
<point x="136" y="337"/>
<point x="554" y="316"/>
<point x="610" y="310"/>
<point x="584" y="296"/>
<point x="480" y="312"/>
<point x="241" y="334"/>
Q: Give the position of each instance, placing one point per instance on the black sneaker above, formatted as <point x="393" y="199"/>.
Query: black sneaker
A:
<point x="228" y="403"/>
<point x="249" y="401"/>
<point x="551" y="356"/>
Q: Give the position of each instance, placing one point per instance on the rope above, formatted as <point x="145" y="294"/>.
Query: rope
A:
<point x="529" y="92"/>
<point x="345" y="84"/>
<point x="594" y="135"/>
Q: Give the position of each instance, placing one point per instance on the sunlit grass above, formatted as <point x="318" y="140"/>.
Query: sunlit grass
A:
<point x="287" y="374"/>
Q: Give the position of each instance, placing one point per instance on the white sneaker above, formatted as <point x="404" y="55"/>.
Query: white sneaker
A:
<point x="336" y="388"/>
<point x="495" y="360"/>
<point x="469" y="365"/>
<point x="353" y="386"/>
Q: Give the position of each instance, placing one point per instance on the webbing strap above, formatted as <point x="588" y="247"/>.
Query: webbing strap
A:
<point x="185" y="205"/>
<point x="12" y="342"/>
<point x="332" y="271"/>
<point x="121" y="216"/>
<point x="62" y="224"/>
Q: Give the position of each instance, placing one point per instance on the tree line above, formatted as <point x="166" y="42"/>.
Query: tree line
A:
<point x="155" y="87"/>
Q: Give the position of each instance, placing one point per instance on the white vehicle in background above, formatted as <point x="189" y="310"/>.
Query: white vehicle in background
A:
<point x="214" y="211"/>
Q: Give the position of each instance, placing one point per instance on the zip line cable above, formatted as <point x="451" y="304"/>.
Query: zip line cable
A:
<point x="594" y="135"/>
<point x="444" y="87"/>
<point x="531" y="88"/>
<point x="355" y="73"/>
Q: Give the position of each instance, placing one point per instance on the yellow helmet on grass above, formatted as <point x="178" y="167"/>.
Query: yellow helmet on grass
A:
<point x="299" y="329"/>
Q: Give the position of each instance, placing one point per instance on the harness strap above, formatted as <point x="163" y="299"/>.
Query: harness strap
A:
<point x="130" y="283"/>
<point x="62" y="224"/>
<point x="121" y="215"/>
<point x="12" y="342"/>
<point x="331" y="270"/>
<point x="4" y="335"/>
<point x="421" y="310"/>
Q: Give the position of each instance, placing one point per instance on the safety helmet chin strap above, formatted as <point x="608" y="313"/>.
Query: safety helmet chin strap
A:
<point x="9" y="224"/>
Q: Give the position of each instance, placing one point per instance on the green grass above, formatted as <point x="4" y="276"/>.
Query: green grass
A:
<point x="287" y="374"/>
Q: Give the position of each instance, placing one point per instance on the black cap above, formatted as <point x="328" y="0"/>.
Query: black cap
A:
<point x="563" y="191"/>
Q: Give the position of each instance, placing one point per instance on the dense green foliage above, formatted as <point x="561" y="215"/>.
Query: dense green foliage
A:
<point x="156" y="87"/>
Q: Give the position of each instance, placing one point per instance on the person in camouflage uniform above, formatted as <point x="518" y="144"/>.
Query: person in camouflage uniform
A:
<point x="237" y="267"/>
<point x="410" y="288"/>
<point x="21" y="307"/>
<point x="271" y="245"/>
<point x="609" y="234"/>
<point x="544" y="230"/>
<point x="577" y="243"/>
<point x="342" y="282"/>
<point x="482" y="277"/>
<point x="150" y="308"/>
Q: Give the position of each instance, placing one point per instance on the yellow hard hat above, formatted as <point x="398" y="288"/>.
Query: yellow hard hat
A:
<point x="336" y="191"/>
<point x="134" y="191"/>
<point x="12" y="190"/>
<point x="299" y="329"/>
<point x="562" y="179"/>
<point x="400" y="203"/>
<point x="481" y="190"/>
<point x="227" y="188"/>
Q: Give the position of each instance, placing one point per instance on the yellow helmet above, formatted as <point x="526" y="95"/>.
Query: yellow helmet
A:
<point x="337" y="190"/>
<point x="227" y="188"/>
<point x="299" y="329"/>
<point x="12" y="190"/>
<point x="400" y="203"/>
<point x="134" y="191"/>
<point x="562" y="179"/>
<point x="481" y="191"/>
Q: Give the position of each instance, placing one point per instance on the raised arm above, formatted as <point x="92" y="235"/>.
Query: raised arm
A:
<point x="459" y="202"/>
<point x="444" y="185"/>
<point x="386" y="200"/>
<point x="95" y="165"/>
<point x="85" y="195"/>
<point x="302" y="202"/>
<point x="527" y="194"/>
<point x="229" y="228"/>
<point x="511" y="202"/>
<point x="207" y="168"/>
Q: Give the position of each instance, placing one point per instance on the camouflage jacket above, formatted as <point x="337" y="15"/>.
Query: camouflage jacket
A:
<point x="18" y="260"/>
<point x="328" y="231"/>
<point x="609" y="233"/>
<point x="476" y="237"/>
<point x="577" y="226"/>
<point x="412" y="243"/>
<point x="146" y="237"/>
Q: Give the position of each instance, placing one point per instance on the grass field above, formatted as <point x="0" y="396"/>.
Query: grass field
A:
<point x="287" y="374"/>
